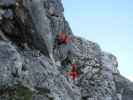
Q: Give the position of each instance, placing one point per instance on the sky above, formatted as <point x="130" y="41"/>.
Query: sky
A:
<point x="107" y="22"/>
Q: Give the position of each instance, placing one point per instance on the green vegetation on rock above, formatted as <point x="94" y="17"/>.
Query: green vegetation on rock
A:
<point x="22" y="93"/>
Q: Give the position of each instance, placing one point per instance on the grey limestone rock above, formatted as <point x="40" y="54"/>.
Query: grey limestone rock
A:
<point x="109" y="61"/>
<point x="10" y="65"/>
<point x="26" y="70"/>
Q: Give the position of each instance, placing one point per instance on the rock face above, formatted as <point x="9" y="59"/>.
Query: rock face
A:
<point x="29" y="31"/>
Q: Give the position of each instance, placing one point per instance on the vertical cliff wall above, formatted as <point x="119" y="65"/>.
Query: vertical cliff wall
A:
<point x="35" y="64"/>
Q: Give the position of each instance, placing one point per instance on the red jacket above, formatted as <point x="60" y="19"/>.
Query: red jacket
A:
<point x="63" y="38"/>
<point x="74" y="73"/>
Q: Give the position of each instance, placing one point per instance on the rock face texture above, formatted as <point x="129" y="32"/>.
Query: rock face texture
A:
<point x="34" y="66"/>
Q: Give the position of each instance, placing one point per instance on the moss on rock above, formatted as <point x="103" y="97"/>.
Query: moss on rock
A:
<point x="22" y="93"/>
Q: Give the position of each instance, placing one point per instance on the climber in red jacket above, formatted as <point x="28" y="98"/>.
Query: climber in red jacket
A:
<point x="63" y="38"/>
<point x="73" y="73"/>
